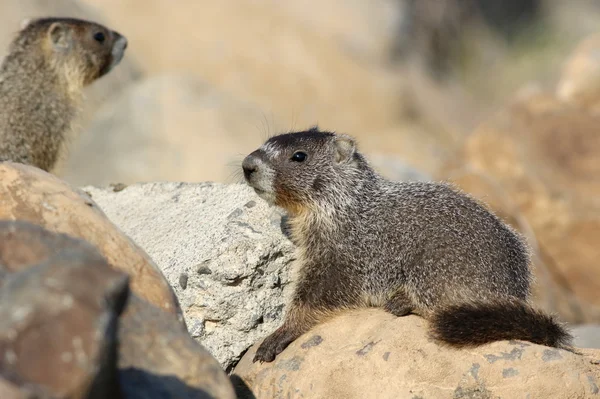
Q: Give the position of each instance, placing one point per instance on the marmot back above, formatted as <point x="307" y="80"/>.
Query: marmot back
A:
<point x="42" y="78"/>
<point x="417" y="247"/>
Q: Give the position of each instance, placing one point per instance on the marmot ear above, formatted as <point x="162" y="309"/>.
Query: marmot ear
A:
<point x="345" y="146"/>
<point x="60" y="36"/>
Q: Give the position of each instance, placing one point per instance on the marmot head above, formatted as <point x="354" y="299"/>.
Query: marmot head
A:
<point x="83" y="50"/>
<point x="297" y="170"/>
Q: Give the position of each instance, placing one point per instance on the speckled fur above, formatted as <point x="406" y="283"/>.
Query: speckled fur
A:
<point x="420" y="247"/>
<point x="42" y="78"/>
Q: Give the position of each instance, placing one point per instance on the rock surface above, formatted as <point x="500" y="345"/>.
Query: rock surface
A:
<point x="159" y="359"/>
<point x="537" y="162"/>
<point x="372" y="354"/>
<point x="58" y="318"/>
<point x="587" y="335"/>
<point x="30" y="194"/>
<point x="220" y="247"/>
<point x="579" y="82"/>
<point x="61" y="291"/>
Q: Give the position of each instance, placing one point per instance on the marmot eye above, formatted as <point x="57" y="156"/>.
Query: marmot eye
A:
<point x="299" y="156"/>
<point x="99" y="37"/>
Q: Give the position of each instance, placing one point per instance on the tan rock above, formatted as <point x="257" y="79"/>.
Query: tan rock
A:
<point x="580" y="79"/>
<point x="30" y="194"/>
<point x="537" y="164"/>
<point x="372" y="354"/>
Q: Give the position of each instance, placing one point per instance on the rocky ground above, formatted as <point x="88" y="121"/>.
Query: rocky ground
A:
<point x="162" y="285"/>
<point x="116" y="327"/>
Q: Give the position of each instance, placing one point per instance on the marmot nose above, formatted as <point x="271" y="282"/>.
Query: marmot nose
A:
<point x="249" y="166"/>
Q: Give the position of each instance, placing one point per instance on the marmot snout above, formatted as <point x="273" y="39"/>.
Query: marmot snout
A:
<point x="297" y="172"/>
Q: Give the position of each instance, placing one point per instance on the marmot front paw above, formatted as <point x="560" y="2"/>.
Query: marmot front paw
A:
<point x="272" y="346"/>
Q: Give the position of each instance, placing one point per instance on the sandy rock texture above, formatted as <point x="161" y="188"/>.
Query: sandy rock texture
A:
<point x="372" y="354"/>
<point x="536" y="163"/>
<point x="30" y="194"/>
<point x="64" y="310"/>
<point x="220" y="247"/>
<point x="159" y="359"/>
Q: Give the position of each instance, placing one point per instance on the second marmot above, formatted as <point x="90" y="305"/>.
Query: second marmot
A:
<point x="42" y="78"/>
<point x="407" y="247"/>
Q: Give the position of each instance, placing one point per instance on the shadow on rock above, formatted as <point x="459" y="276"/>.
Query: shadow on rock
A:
<point x="138" y="383"/>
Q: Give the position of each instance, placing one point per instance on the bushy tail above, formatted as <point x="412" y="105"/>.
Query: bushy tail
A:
<point x="475" y="324"/>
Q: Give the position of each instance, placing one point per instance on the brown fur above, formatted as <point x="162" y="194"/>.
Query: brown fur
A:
<point x="421" y="247"/>
<point x="42" y="78"/>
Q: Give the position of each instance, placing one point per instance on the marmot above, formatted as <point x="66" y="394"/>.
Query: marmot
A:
<point x="408" y="247"/>
<point x="42" y="78"/>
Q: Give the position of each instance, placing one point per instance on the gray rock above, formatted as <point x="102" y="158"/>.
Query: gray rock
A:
<point x="394" y="168"/>
<point x="586" y="335"/>
<point x="229" y="245"/>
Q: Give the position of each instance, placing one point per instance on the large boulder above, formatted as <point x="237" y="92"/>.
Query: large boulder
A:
<point x="220" y="247"/>
<point x="373" y="354"/>
<point x="58" y="287"/>
<point x="536" y="163"/>
<point x="30" y="194"/>
<point x="58" y="316"/>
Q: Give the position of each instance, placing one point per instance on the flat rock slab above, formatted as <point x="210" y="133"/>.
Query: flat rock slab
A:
<point x="371" y="354"/>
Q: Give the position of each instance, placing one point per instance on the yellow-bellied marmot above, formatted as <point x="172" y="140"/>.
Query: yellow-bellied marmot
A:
<point x="408" y="247"/>
<point x="49" y="63"/>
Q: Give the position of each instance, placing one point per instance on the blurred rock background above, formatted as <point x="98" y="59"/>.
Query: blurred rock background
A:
<point x="501" y="97"/>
